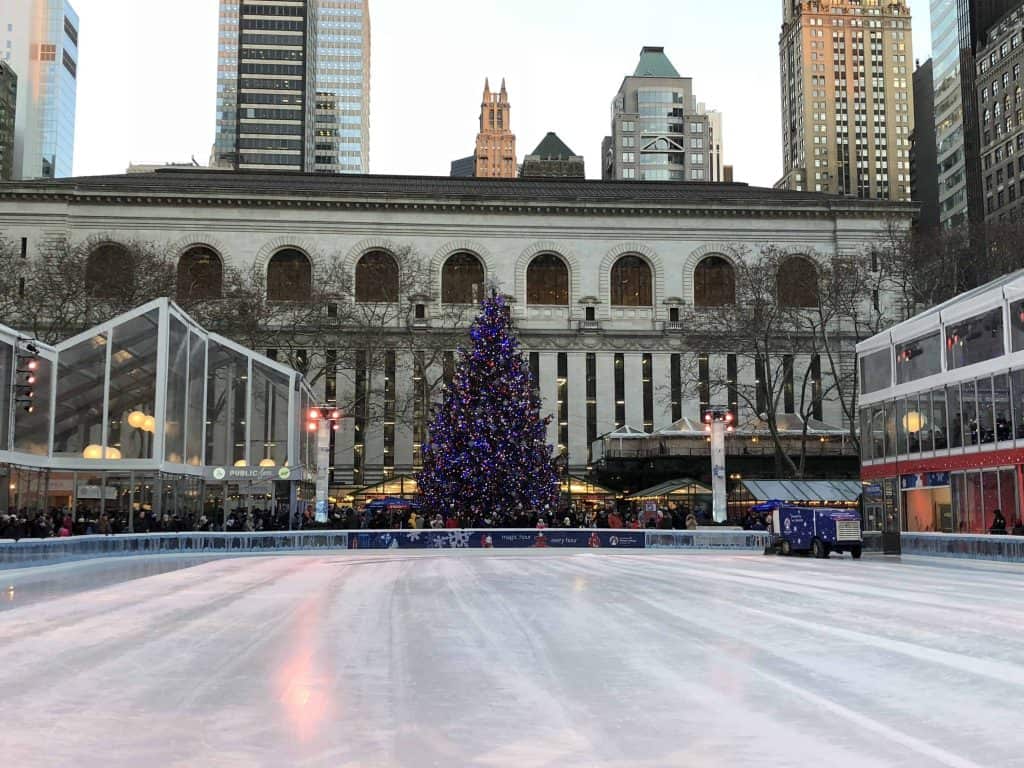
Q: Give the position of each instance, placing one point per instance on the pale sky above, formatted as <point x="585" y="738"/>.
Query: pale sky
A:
<point x="147" y="75"/>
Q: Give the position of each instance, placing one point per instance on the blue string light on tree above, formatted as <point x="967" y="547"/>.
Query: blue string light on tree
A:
<point x="487" y="453"/>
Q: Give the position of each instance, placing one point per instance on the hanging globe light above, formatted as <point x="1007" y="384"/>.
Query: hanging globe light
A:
<point x="93" y="452"/>
<point x="137" y="419"/>
<point x="267" y="463"/>
<point x="914" y="422"/>
<point x="111" y="453"/>
<point x="240" y="463"/>
<point x="149" y="424"/>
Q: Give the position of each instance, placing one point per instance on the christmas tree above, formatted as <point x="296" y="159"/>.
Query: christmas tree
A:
<point x="486" y="454"/>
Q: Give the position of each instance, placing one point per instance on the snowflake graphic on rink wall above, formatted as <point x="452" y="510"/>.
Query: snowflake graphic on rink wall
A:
<point x="486" y="453"/>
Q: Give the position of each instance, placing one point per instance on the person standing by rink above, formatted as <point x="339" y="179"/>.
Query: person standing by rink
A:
<point x="998" y="523"/>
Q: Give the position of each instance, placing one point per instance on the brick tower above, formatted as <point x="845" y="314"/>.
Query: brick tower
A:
<point x="495" y="144"/>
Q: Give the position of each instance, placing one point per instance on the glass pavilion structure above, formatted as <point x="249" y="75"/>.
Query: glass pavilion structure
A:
<point x="149" y="411"/>
<point x="942" y="415"/>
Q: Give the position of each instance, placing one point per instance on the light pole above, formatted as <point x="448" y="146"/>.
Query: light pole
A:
<point x="323" y="420"/>
<point x="718" y="421"/>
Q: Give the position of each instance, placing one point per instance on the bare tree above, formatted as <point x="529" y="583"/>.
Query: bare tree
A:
<point x="348" y="329"/>
<point x="68" y="288"/>
<point x="774" y="321"/>
<point x="13" y="271"/>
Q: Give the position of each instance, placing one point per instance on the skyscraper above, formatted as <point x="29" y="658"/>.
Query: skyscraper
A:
<point x="716" y="163"/>
<point x="343" y="86"/>
<point x="8" y="111"/>
<point x="924" y="169"/>
<point x="293" y="86"/>
<point x="658" y="131"/>
<point x="958" y="28"/>
<point x="1000" y="100"/>
<point x="847" y="97"/>
<point x="495" y="144"/>
<point x="40" y="43"/>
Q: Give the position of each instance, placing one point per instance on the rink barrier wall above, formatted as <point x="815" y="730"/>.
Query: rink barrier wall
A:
<point x="32" y="552"/>
<point x="1009" y="549"/>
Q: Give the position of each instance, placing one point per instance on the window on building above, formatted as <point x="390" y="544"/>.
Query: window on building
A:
<point x="714" y="283"/>
<point x="547" y="281"/>
<point x="462" y="279"/>
<point x="289" y="276"/>
<point x="620" y="390"/>
<point x="200" y="275"/>
<point x="591" y="385"/>
<point x="377" y="278"/>
<point x="704" y="383"/>
<point x="797" y="282"/>
<point x="631" y="283"/>
<point x="676" y="386"/>
<point x="875" y="371"/>
<point x="919" y="358"/>
<point x="975" y="339"/>
<point x="109" y="271"/>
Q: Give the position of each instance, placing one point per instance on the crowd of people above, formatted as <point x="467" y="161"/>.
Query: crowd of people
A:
<point x="60" y="522"/>
<point x="28" y="523"/>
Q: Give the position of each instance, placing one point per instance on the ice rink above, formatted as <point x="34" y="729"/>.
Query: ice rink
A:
<point x="522" y="659"/>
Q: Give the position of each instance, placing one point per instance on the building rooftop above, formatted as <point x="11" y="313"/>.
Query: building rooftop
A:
<point x="292" y="189"/>
<point x="551" y="146"/>
<point x="654" y="63"/>
<point x="1008" y="286"/>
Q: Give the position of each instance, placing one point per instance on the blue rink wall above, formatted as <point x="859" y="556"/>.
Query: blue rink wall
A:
<point x="33" y="552"/>
<point x="30" y="552"/>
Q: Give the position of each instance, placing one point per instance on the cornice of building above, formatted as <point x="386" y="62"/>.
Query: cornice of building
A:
<point x="535" y="197"/>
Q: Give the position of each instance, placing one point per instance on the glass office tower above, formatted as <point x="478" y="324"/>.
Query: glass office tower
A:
<point x="293" y="86"/>
<point x="39" y="40"/>
<point x="343" y="86"/>
<point x="958" y="30"/>
<point x="949" y="115"/>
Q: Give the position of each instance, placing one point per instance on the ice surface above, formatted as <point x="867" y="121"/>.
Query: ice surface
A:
<point x="515" y="659"/>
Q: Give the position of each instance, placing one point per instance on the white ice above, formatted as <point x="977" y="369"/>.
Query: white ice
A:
<point x="515" y="659"/>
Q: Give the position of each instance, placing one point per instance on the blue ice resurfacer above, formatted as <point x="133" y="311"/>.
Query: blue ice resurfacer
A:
<point x="812" y="529"/>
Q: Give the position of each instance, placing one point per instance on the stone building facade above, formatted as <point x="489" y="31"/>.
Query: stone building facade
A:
<point x="605" y="277"/>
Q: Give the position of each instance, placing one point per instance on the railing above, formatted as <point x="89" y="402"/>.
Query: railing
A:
<point x="976" y="547"/>
<point x="32" y="552"/>
<point x="654" y="447"/>
<point x="742" y="540"/>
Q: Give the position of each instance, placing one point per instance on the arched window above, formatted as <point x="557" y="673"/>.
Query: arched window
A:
<point x="547" y="281"/>
<point x="377" y="278"/>
<point x="714" y="283"/>
<point x="200" y="275"/>
<point x="797" y="282"/>
<point x="289" y="276"/>
<point x="462" y="279"/>
<point x="109" y="272"/>
<point x="631" y="283"/>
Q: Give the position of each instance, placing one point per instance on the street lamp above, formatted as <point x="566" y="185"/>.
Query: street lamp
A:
<point x="717" y="422"/>
<point x="323" y="420"/>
